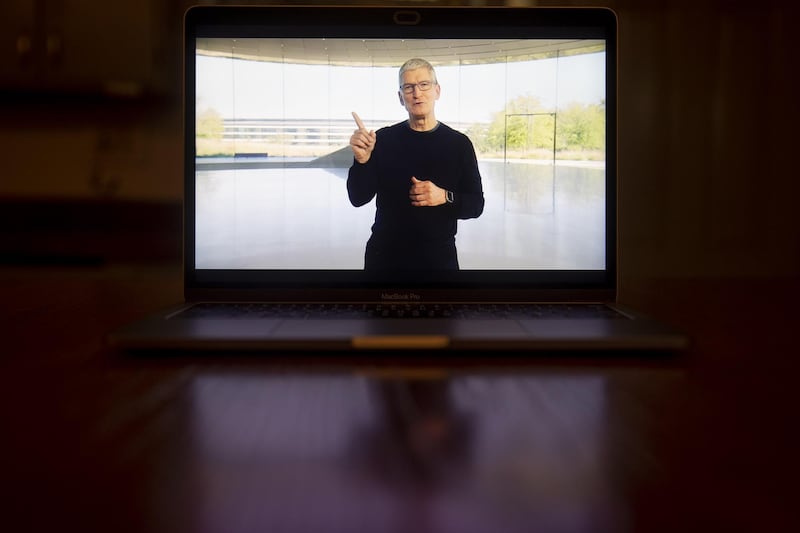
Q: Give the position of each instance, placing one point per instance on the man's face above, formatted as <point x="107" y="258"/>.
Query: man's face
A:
<point x="417" y="102"/>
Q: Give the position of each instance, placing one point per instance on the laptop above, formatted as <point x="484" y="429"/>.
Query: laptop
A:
<point x="276" y="249"/>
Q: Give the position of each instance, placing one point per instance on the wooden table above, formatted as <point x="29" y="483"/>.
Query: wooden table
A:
<point x="94" y="440"/>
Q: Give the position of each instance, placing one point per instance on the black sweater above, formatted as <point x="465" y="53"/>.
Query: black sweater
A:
<point x="444" y="156"/>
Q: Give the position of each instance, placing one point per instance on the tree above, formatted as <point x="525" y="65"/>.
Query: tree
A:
<point x="523" y="125"/>
<point x="581" y="127"/>
<point x="209" y="125"/>
<point x="527" y="128"/>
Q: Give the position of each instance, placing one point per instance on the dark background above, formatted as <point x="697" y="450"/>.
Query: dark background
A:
<point x="90" y="132"/>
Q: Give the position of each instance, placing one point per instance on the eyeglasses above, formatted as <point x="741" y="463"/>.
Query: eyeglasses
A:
<point x="408" y="88"/>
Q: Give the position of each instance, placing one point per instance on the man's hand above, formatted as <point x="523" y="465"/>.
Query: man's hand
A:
<point x="425" y="193"/>
<point x="362" y="142"/>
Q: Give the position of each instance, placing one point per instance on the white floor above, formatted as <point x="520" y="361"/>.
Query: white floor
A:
<point x="536" y="217"/>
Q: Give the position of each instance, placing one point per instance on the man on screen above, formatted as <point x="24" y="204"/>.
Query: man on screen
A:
<point x="425" y="176"/>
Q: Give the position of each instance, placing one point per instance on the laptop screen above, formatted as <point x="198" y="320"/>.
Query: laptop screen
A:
<point x="272" y="96"/>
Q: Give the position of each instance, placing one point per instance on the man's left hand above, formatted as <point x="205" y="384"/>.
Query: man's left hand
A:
<point x="426" y="193"/>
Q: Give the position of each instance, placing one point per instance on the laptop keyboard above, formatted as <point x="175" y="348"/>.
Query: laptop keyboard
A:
<point x="397" y="311"/>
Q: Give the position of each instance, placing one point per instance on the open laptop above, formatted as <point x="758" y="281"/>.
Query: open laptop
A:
<point x="274" y="251"/>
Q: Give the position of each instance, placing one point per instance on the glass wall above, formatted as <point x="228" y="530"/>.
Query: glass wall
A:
<point x="272" y="154"/>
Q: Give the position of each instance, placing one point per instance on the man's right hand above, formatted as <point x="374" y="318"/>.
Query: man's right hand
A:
<point x="362" y="142"/>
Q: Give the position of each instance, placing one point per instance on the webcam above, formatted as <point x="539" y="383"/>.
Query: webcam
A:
<point x="407" y="17"/>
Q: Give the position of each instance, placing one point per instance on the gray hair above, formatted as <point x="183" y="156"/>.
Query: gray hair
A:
<point x="414" y="64"/>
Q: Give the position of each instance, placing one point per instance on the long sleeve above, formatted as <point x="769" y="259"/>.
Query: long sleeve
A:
<point x="442" y="156"/>
<point x="468" y="199"/>
<point x="362" y="182"/>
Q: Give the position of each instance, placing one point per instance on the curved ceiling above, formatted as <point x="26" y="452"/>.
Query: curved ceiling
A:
<point x="393" y="52"/>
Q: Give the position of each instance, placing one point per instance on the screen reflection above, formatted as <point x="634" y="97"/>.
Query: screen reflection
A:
<point x="356" y="453"/>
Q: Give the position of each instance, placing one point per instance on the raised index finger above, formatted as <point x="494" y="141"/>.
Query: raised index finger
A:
<point x="358" y="121"/>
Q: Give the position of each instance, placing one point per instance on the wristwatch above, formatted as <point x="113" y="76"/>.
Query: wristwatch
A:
<point x="448" y="196"/>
